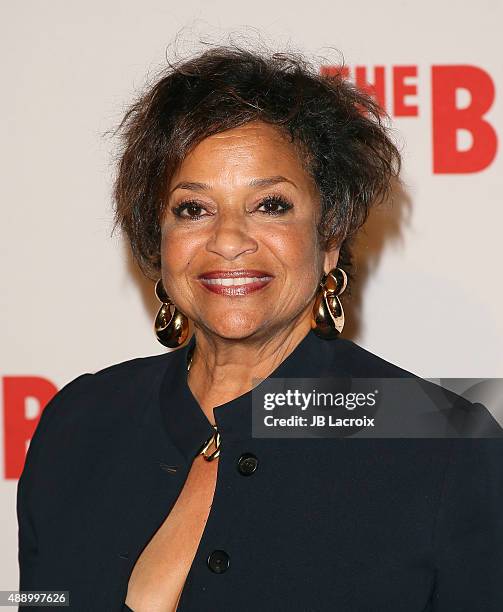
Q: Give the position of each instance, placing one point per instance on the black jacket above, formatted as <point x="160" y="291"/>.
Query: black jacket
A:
<point x="353" y="525"/>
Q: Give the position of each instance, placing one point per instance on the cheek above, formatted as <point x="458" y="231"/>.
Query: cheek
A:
<point x="298" y="250"/>
<point x="177" y="250"/>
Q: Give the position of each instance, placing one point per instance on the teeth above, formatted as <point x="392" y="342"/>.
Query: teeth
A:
<point x="230" y="282"/>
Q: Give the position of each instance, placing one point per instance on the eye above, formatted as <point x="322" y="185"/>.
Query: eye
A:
<point x="275" y="205"/>
<point x="192" y="207"/>
<point x="273" y="202"/>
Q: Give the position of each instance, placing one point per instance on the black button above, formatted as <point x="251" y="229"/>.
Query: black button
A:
<point x="247" y="464"/>
<point x="218" y="561"/>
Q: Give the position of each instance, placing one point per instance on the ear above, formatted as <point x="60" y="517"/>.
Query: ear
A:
<point x="331" y="258"/>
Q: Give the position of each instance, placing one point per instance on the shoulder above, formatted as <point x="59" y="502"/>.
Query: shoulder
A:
<point x="124" y="377"/>
<point x="102" y="398"/>
<point x="131" y="370"/>
<point x="361" y="362"/>
<point x="93" y="416"/>
<point x="447" y="410"/>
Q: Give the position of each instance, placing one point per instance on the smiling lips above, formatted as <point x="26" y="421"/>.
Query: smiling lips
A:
<point x="235" y="282"/>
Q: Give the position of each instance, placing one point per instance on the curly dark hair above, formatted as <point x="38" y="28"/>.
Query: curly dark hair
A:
<point x="338" y="130"/>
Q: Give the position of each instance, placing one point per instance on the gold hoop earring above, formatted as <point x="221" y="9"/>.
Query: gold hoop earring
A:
<point x="171" y="329"/>
<point x="327" y="319"/>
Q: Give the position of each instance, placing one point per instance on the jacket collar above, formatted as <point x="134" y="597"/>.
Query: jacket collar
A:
<point x="186" y="424"/>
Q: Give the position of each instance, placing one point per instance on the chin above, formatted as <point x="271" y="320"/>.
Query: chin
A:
<point x="234" y="325"/>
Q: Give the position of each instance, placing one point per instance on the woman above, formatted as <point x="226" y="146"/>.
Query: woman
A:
<point x="242" y="181"/>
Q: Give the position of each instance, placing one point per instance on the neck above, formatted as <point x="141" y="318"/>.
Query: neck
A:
<point x="223" y="369"/>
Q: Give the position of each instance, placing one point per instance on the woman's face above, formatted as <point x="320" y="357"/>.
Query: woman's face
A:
<point x="241" y="201"/>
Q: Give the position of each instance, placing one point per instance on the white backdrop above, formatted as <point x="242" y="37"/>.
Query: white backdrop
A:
<point x="72" y="302"/>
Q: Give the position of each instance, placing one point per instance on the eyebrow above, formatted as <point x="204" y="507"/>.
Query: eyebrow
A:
<point x="260" y="182"/>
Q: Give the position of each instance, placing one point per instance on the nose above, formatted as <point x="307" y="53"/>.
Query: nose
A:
<point x="230" y="237"/>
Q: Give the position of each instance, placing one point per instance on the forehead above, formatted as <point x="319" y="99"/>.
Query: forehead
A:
<point x="252" y="149"/>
